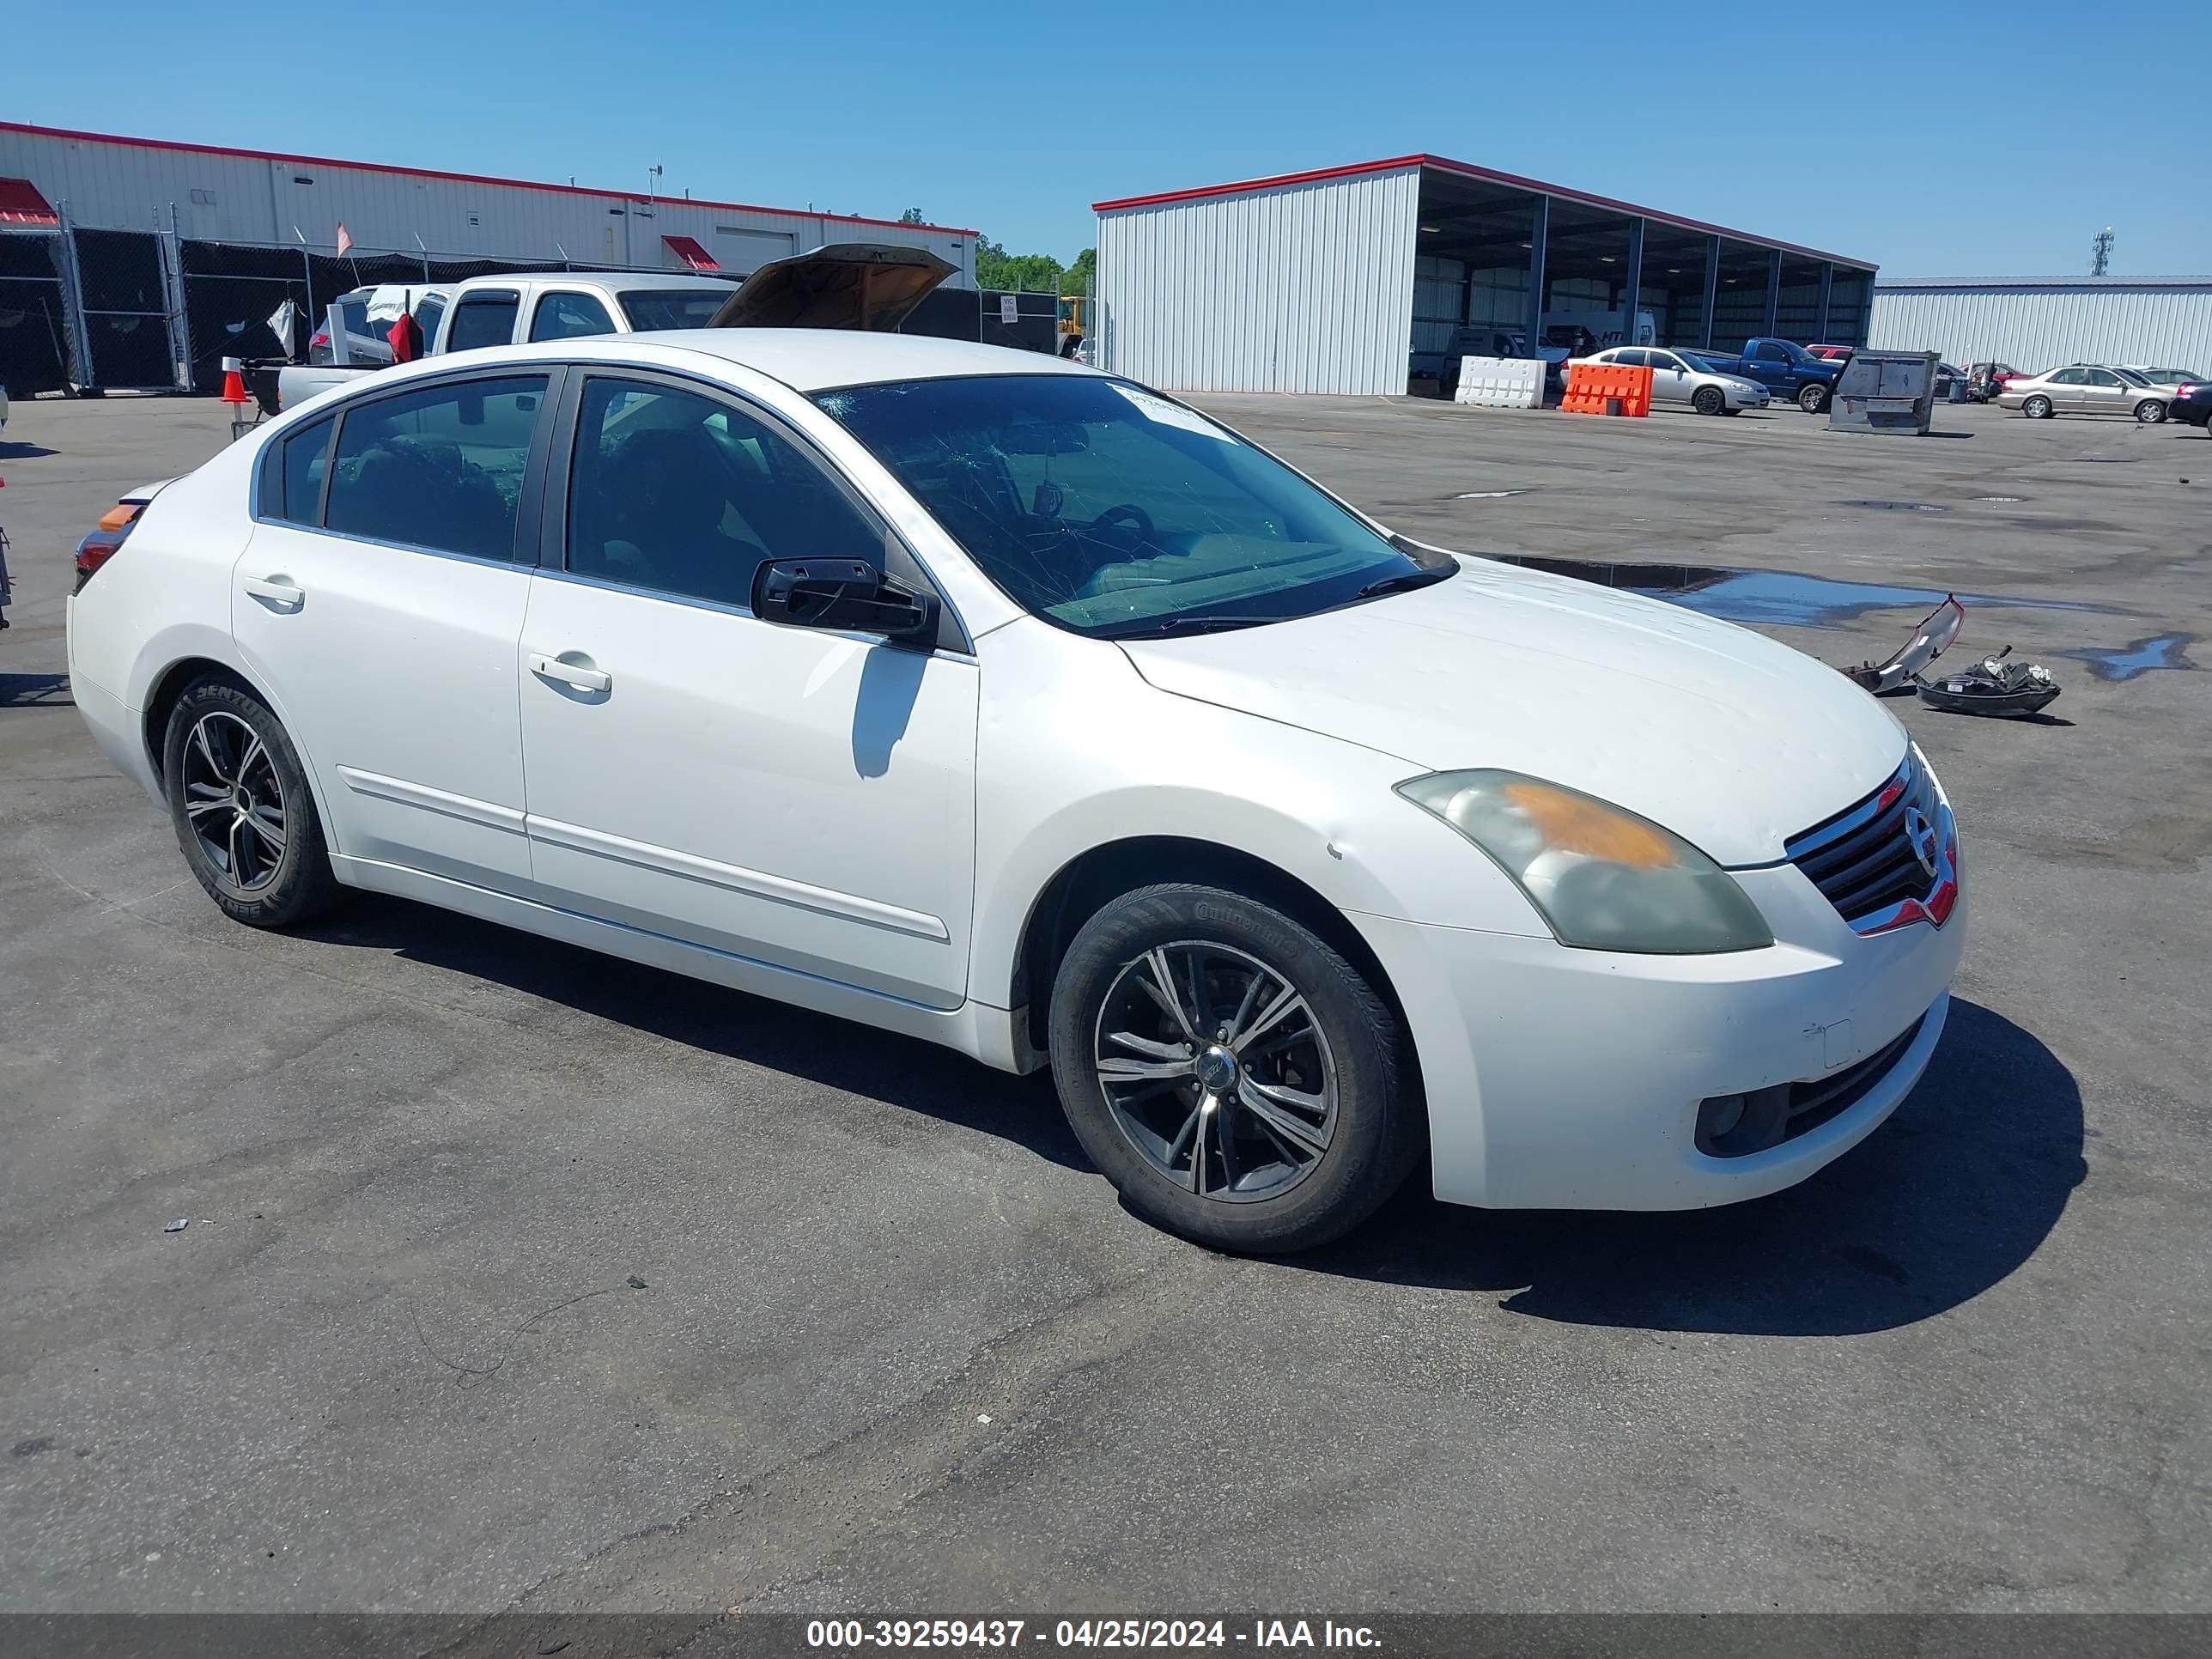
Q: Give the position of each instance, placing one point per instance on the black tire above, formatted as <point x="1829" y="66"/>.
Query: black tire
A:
<point x="1708" y="400"/>
<point x="266" y="885"/>
<point x="2037" y="408"/>
<point x="2150" y="411"/>
<point x="1374" y="1135"/>
<point x="1813" y="399"/>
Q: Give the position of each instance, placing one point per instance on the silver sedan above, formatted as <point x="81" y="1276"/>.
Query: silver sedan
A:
<point x="2088" y="389"/>
<point x="1678" y="379"/>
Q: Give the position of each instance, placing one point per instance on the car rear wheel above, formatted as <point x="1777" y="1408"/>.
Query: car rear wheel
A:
<point x="2150" y="411"/>
<point x="1236" y="1078"/>
<point x="244" y="815"/>
<point x="1812" y="400"/>
<point x="2037" y="409"/>
<point x="1708" y="400"/>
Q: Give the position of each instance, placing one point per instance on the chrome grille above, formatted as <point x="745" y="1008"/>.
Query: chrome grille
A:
<point x="1862" y="859"/>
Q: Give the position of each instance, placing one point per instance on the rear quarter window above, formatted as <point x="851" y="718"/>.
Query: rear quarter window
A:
<point x="292" y="477"/>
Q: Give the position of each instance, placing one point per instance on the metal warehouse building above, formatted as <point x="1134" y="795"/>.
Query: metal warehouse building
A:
<point x="2036" y="323"/>
<point x="131" y="262"/>
<point x="1352" y="279"/>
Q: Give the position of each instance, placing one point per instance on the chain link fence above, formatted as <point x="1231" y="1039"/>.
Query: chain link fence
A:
<point x="35" y="328"/>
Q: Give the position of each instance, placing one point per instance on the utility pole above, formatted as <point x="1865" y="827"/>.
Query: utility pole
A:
<point x="2100" y="252"/>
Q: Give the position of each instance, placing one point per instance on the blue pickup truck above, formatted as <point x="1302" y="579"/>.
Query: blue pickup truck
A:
<point x="1784" y="369"/>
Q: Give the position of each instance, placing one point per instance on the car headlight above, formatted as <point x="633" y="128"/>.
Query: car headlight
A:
<point x="1603" y="878"/>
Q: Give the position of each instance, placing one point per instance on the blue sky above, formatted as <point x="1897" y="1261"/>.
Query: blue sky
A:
<point x="2001" y="137"/>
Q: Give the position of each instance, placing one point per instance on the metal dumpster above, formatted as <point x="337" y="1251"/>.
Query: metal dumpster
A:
<point x="1885" y="392"/>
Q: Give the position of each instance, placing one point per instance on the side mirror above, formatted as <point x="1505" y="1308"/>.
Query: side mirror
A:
<point x="845" y="594"/>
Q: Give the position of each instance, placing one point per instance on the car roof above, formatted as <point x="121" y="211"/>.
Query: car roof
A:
<point x="692" y="280"/>
<point x="815" y="359"/>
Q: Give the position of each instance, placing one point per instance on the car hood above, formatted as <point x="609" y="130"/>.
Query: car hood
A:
<point x="872" y="286"/>
<point x="1729" y="739"/>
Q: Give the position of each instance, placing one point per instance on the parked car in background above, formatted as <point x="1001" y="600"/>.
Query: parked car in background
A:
<point x="2192" y="405"/>
<point x="1677" y="379"/>
<point x="2088" y="389"/>
<point x="2173" y="377"/>
<point x="880" y="282"/>
<point x="1831" y="354"/>
<point x="1784" y="369"/>
<point x="1947" y="376"/>
<point x="1985" y="381"/>
<point x="978" y="696"/>
<point x="501" y="310"/>
<point x="368" y="314"/>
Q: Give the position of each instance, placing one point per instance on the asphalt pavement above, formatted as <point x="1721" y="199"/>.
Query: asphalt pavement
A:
<point x="520" y="1278"/>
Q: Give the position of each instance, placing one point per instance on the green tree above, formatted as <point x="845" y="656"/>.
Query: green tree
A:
<point x="911" y="217"/>
<point x="1030" y="273"/>
<point x="1082" y="276"/>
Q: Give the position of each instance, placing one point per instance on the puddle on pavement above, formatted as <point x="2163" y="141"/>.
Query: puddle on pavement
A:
<point x="1776" y="597"/>
<point x="1897" y="506"/>
<point x="2137" y="657"/>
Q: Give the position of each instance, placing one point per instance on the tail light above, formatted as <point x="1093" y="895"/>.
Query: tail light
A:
<point x="100" y="546"/>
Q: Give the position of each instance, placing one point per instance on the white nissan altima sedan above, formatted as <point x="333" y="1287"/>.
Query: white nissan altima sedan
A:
<point x="981" y="697"/>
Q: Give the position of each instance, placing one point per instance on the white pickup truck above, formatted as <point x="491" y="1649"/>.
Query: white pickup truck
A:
<point x="501" y="310"/>
<point x="865" y="285"/>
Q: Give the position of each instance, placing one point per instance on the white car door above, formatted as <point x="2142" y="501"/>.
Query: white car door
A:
<point x="1671" y="380"/>
<point x="795" y="796"/>
<point x="380" y="601"/>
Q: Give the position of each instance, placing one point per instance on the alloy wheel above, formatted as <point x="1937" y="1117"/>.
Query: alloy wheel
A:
<point x="1216" y="1071"/>
<point x="235" y="801"/>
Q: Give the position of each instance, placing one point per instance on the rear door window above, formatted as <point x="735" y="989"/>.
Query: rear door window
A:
<point x="564" y="316"/>
<point x="484" y="319"/>
<point x="440" y="468"/>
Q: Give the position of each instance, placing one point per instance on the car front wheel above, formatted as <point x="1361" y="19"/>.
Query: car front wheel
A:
<point x="1237" y="1078"/>
<point x="244" y="818"/>
<point x="1708" y="400"/>
<point x="1813" y="399"/>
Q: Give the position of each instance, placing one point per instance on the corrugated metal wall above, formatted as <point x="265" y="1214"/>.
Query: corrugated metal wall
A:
<point x="2038" y="328"/>
<point x="1304" y="287"/>
<point x="237" y="199"/>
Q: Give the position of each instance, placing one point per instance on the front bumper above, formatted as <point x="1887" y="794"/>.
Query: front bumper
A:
<point x="1561" y="1079"/>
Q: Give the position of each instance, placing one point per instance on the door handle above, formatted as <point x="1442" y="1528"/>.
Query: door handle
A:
<point x="277" y="593"/>
<point x="569" y="673"/>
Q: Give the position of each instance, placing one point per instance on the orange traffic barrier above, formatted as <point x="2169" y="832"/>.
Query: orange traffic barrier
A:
<point x="1607" y="389"/>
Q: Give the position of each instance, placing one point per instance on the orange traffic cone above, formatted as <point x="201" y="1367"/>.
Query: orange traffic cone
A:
<point x="235" y="396"/>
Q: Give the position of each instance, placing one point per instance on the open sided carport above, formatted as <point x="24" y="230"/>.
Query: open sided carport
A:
<point x="1349" y="279"/>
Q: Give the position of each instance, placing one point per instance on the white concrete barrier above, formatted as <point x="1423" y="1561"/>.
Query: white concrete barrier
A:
<point x="1501" y="382"/>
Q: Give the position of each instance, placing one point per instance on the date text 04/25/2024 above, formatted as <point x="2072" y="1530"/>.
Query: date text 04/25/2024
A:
<point x="1123" y="1633"/>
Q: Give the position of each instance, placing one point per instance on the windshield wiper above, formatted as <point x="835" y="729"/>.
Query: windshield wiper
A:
<point x="1167" y="625"/>
<point x="1405" y="582"/>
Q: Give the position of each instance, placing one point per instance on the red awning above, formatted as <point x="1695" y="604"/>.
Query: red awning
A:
<point x="22" y="204"/>
<point x="687" y="249"/>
